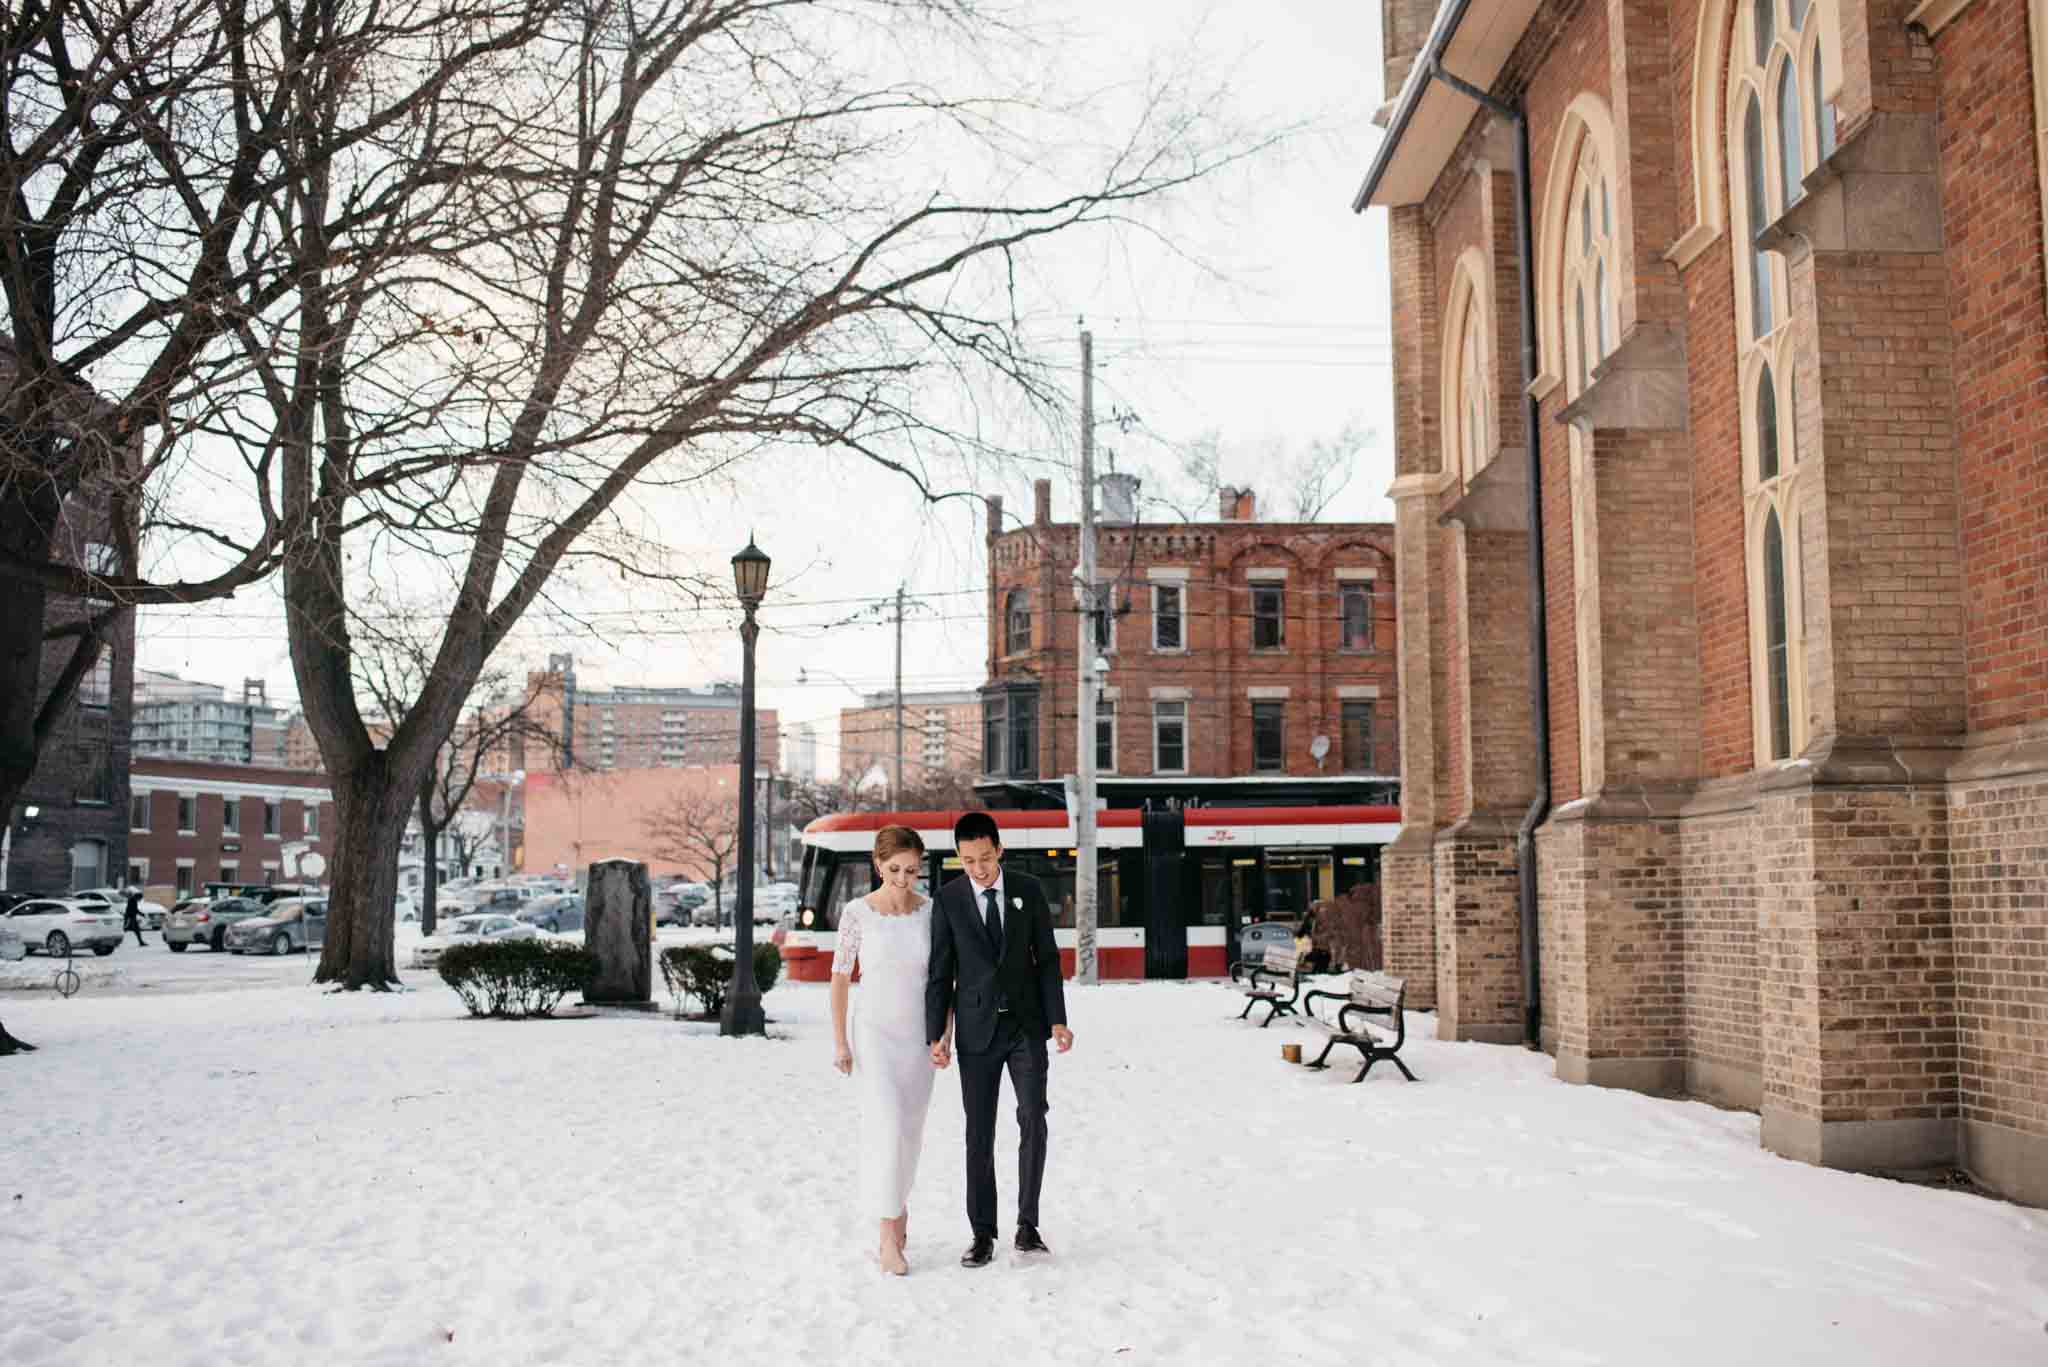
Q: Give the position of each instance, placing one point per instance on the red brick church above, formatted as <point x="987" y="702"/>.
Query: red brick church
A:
<point x="1721" y="355"/>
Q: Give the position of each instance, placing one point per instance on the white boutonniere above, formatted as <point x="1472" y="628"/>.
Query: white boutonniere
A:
<point x="1016" y="904"/>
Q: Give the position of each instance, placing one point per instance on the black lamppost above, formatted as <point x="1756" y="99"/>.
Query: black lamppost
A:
<point x="742" y="1013"/>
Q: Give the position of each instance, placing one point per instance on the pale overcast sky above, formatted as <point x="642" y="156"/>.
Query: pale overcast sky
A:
<point x="1282" y="340"/>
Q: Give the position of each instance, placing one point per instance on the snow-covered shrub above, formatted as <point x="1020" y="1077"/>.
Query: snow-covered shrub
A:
<point x="516" y="977"/>
<point x="705" y="971"/>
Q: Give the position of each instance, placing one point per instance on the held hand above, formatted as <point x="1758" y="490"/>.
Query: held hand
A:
<point x="1063" y="1037"/>
<point x="942" y="1054"/>
<point x="842" y="1059"/>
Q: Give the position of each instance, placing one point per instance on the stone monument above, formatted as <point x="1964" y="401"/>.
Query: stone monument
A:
<point x="618" y="927"/>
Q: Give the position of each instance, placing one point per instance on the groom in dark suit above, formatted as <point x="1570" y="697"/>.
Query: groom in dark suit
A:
<point x="995" y="968"/>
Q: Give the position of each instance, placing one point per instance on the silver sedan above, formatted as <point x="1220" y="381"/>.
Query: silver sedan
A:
<point x="469" y="930"/>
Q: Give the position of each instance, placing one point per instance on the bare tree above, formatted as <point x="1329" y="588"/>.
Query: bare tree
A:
<point x="1305" y="480"/>
<point x="700" y="828"/>
<point x="435" y="286"/>
<point x="504" y="717"/>
<point x="1315" y="475"/>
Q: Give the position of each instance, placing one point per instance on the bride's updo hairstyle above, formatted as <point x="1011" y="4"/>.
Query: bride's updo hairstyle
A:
<point x="891" y="841"/>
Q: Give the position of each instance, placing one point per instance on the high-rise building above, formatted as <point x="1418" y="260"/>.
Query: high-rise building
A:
<point x="638" y="728"/>
<point x="183" y="719"/>
<point x="801" y="758"/>
<point x="941" y="735"/>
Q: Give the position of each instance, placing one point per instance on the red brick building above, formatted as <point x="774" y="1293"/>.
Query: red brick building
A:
<point x="1781" y="445"/>
<point x="191" y="823"/>
<point x="65" y="831"/>
<point x="1243" y="655"/>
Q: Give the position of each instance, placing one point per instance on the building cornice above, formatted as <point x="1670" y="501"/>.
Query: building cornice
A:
<point x="1932" y="16"/>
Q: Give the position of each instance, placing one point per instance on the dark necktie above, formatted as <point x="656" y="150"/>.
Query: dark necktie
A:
<point x="991" y="920"/>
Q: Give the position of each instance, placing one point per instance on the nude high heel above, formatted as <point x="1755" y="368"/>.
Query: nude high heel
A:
<point x="891" y="1255"/>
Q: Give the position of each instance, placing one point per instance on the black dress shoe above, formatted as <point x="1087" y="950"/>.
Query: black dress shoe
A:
<point x="1028" y="1240"/>
<point x="979" y="1253"/>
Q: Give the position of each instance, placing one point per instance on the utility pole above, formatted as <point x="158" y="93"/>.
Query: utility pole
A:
<point x="1086" y="862"/>
<point x="896" y="783"/>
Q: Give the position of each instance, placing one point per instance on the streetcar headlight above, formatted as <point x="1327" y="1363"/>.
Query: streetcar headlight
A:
<point x="809" y="916"/>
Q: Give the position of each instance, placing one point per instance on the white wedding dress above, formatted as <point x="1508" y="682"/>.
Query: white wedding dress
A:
<point x="892" y="1063"/>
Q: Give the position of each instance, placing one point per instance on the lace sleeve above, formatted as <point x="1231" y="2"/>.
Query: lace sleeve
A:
<point x="847" y="954"/>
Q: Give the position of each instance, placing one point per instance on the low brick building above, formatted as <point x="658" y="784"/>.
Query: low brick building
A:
<point x="1242" y="654"/>
<point x="1787" y="341"/>
<point x="191" y="822"/>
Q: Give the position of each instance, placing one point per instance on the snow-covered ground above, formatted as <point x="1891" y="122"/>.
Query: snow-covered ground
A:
<point x="241" y="1169"/>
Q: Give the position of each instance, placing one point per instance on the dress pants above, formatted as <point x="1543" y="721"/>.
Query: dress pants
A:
<point x="981" y="1081"/>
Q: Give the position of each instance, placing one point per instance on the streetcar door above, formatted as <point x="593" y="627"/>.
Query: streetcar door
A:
<point x="1166" y="929"/>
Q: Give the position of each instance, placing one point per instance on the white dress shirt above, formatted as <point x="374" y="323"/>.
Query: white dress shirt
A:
<point x="981" y="902"/>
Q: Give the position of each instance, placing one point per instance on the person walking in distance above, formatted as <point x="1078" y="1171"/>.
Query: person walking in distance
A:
<point x="132" y="918"/>
<point x="994" y="981"/>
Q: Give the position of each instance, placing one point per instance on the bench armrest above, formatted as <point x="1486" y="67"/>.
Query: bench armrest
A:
<point x="1344" y="1015"/>
<point x="1309" y="1000"/>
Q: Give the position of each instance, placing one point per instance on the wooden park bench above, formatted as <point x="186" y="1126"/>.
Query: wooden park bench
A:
<point x="1274" y="984"/>
<point x="1370" y="995"/>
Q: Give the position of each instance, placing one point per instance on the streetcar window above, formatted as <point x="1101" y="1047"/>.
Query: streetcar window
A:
<point x="811" y="883"/>
<point x="838" y="878"/>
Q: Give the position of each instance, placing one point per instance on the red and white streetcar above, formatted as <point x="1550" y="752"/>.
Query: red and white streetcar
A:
<point x="1176" y="885"/>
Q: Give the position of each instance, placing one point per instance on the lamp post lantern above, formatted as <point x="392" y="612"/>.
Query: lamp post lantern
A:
<point x="742" y="1012"/>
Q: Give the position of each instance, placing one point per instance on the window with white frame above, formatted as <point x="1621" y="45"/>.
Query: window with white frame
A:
<point x="1016" y="622"/>
<point x="1168" y="630"/>
<point x="1105" y="616"/>
<point x="1269" y="616"/>
<point x="271" y="809"/>
<point x="231" y="816"/>
<point x="1473" y="409"/>
<point x="1269" y="736"/>
<point x="138" y="811"/>
<point x="1779" y="127"/>
<point x="1355" y="610"/>
<point x="1591" y="328"/>
<point x="1169" y="737"/>
<point x="188" y="814"/>
<point x="1105" y="735"/>
<point x="1356" y="749"/>
<point x="312" y="821"/>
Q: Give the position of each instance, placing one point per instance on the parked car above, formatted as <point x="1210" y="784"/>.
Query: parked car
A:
<point x="58" y="925"/>
<point x="554" y="914"/>
<point x="469" y="930"/>
<point x="205" y="921"/>
<point x="1254" y="940"/>
<point x="773" y="901"/>
<point x="116" y="899"/>
<point x="286" y="925"/>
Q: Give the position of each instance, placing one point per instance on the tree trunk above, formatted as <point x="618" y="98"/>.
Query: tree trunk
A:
<point x="370" y="815"/>
<point x="430" y="858"/>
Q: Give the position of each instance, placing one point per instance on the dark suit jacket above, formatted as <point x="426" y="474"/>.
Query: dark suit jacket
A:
<point x="965" y="978"/>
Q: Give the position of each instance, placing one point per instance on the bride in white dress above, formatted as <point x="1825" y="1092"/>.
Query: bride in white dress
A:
<point x="888" y="934"/>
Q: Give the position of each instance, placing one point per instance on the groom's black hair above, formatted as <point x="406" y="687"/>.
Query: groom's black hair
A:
<point x="976" y="826"/>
